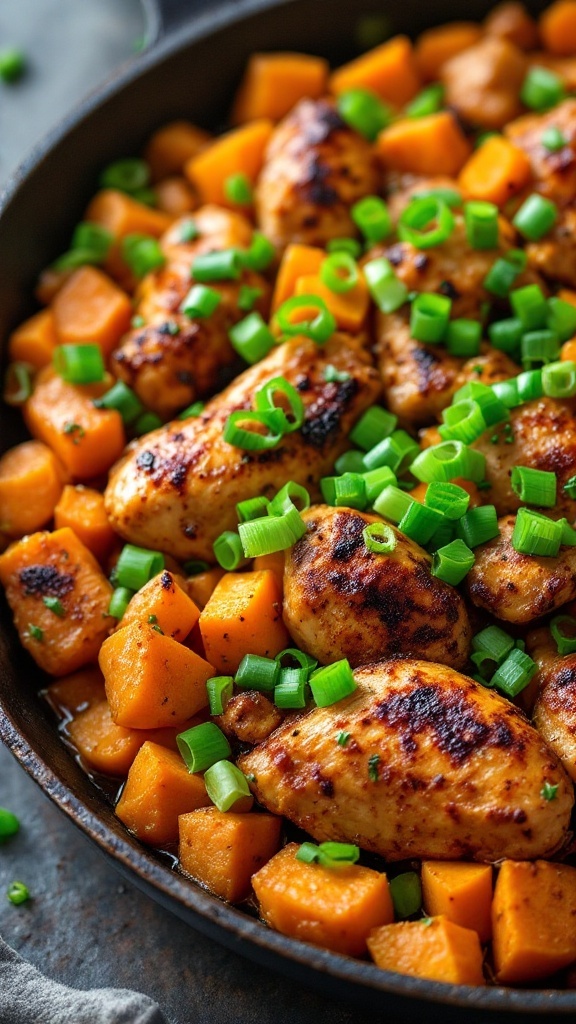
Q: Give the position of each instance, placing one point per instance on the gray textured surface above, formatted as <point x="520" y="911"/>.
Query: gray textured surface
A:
<point x="84" y="926"/>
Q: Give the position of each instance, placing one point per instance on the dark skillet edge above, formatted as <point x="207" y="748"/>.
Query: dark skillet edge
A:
<point x="354" y="980"/>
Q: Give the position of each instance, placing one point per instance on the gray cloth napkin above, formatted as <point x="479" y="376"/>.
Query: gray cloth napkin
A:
<point x="27" y="997"/>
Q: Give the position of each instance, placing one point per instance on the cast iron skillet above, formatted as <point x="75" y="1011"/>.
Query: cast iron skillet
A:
<point x="196" y="59"/>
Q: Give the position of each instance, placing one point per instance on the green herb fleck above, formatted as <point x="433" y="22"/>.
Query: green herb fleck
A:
<point x="247" y="297"/>
<point x="188" y="231"/>
<point x="342" y="738"/>
<point x="12" y="65"/>
<point x="426" y="922"/>
<point x="478" y="369"/>
<point x="75" y="430"/>
<point x="548" y="791"/>
<point x="373" y="763"/>
<point x="17" y="893"/>
<point x="35" y="632"/>
<point x="137" y="321"/>
<point x="158" y="630"/>
<point x="9" y="824"/>
<point x="334" y="376"/>
<point x="55" y="605"/>
<point x="152" y="619"/>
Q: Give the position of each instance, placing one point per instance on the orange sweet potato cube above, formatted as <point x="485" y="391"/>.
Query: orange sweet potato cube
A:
<point x="172" y="145"/>
<point x="240" y="151"/>
<point x="76" y="692"/>
<point x="31" y="482"/>
<point x="34" y="340"/>
<point x="201" y="586"/>
<point x="151" y="679"/>
<point x="47" y="567"/>
<point x="159" y="788"/>
<point x="388" y="70"/>
<point x="432" y="948"/>
<point x="461" y="892"/>
<point x="91" y="309"/>
<point x="335" y="908"/>
<point x="533" y="920"/>
<point x="82" y="509"/>
<point x="223" y="850"/>
<point x="164" y="603"/>
<point x="243" y="616"/>
<point x="274" y="82"/>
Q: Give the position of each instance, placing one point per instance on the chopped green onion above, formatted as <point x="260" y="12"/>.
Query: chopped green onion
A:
<point x="237" y="433"/>
<point x="565" y="642"/>
<point x="493" y="410"/>
<point x="452" y="562"/>
<point x="507" y="392"/>
<point x="328" y="855"/>
<point x="373" y="762"/>
<point x="147" y="422"/>
<point x="481" y="221"/>
<point x="342" y="738"/>
<point x="429" y="317"/>
<point x="478" y="525"/>
<point x="559" y="379"/>
<point x="350" y="462"/>
<point x="252" y="338"/>
<point x="420" y="522"/>
<point x="121" y="398"/>
<point x="339" y="272"/>
<point x="12" y="65"/>
<point x="448" y="460"/>
<point x="17" y="893"/>
<point x="202" y="745"/>
<point x="349" y="245"/>
<point x="257" y="673"/>
<point x="319" y="328"/>
<point x="238" y="189"/>
<point x="219" y="690"/>
<point x="561" y="318"/>
<point x="504" y="271"/>
<point x="514" y="674"/>
<point x="530" y="306"/>
<point x="397" y="451"/>
<point x="376" y="480"/>
<point x="429" y="101"/>
<point x="136" y="566"/>
<point x="291" y="691"/>
<point x="449" y="196"/>
<point x="387" y="291"/>
<point x="195" y="566"/>
<point x="191" y="411"/>
<point x="54" y="604"/>
<point x="248" y="297"/>
<point x="222" y="265"/>
<point x="373" y="426"/>
<point x="332" y="683"/>
<point x="364" y="111"/>
<point x="127" y="175"/>
<point x="334" y="376"/>
<point x="529" y="384"/>
<point x="272" y="533"/>
<point x="305" y="661"/>
<point x="227" y="787"/>
<point x="462" y="422"/>
<point x="9" y="824"/>
<point x="79" y="364"/>
<point x="491" y="644"/>
<point x="348" y="490"/>
<point x="392" y="503"/>
<point x="260" y="254"/>
<point x="426" y="223"/>
<point x="553" y="139"/>
<point x="291" y="494"/>
<point x="542" y="89"/>
<point x="536" y="217"/>
<point x="449" y="499"/>
<point x="142" y="253"/>
<point x="568" y="533"/>
<point x="534" y="486"/>
<point x="406" y="893"/>
<point x="228" y="550"/>
<point x="201" y="301"/>
<point x="442" y="536"/>
<point x="463" y="338"/>
<point x="119" y="601"/>
<point x="539" y="347"/>
<point x="569" y="487"/>
<point x="265" y="401"/>
<point x="251" y="508"/>
<point x="548" y="791"/>
<point x="535" y="534"/>
<point x="372" y="217"/>
<point x="18" y="384"/>
<point x="379" y="538"/>
<point x="188" y="230"/>
<point x="506" y="335"/>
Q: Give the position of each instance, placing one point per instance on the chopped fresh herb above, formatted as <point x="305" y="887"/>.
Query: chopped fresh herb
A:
<point x="334" y="376"/>
<point x="553" y="139"/>
<point x="158" y="630"/>
<point x="548" y="791"/>
<point x="569" y="487"/>
<point x="35" y="632"/>
<point x="137" y="321"/>
<point x="342" y="738"/>
<point x="55" y="605"/>
<point x="247" y="297"/>
<point x="188" y="231"/>
<point x="170" y="327"/>
<point x="75" y="431"/>
<point x="9" y="824"/>
<point x="426" y="922"/>
<point x="153" y="619"/>
<point x="251" y="777"/>
<point x="12" y="65"/>
<point x="478" y="369"/>
<point x="373" y="763"/>
<point x="17" y="893"/>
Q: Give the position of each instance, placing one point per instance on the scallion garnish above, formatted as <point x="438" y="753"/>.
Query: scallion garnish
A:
<point x="452" y="562"/>
<point x="534" y="486"/>
<point x="565" y="642"/>
<point x="202" y="745"/>
<point x="227" y="787"/>
<point x="136" y="566"/>
<point x="332" y="683"/>
<point x="372" y="217"/>
<point x="79" y="364"/>
<point x="119" y="601"/>
<point x="219" y="690"/>
<point x="142" y="253"/>
<point x="406" y="893"/>
<point x="379" y="538"/>
<point x="535" y="534"/>
<point x="228" y="550"/>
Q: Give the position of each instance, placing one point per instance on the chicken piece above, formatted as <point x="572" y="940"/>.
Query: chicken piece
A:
<point x="555" y="707"/>
<point x="249" y="717"/>
<point x="343" y="601"/>
<point x="315" y="169"/>
<point x="520" y="588"/>
<point x="404" y="187"/>
<point x="172" y="360"/>
<point x="510" y="20"/>
<point x="544" y="437"/>
<point x="435" y="766"/>
<point x="483" y="83"/>
<point x="176" y="489"/>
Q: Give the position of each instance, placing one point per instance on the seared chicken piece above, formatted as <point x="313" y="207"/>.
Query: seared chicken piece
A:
<point x="435" y="766"/>
<point x="483" y="82"/>
<point x="315" y="169"/>
<point x="520" y="588"/>
<point x="544" y="437"/>
<point x="249" y="717"/>
<point x="176" y="489"/>
<point x="510" y="20"/>
<point x="555" y="707"/>
<point x="172" y="360"/>
<point x="343" y="601"/>
<point x="554" y="175"/>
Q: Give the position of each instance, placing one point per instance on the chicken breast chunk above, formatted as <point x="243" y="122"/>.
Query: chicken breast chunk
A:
<point x="315" y="169"/>
<point x="555" y="708"/>
<point x="177" y="488"/>
<point x="483" y="82"/>
<point x="343" y="601"/>
<point x="435" y="766"/>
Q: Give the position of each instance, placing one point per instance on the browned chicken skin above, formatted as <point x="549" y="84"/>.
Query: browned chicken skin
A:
<point x="483" y="83"/>
<point x="520" y="588"/>
<point x="177" y="488"/>
<point x="343" y="601"/>
<point x="555" y="707"/>
<point x="249" y="717"/>
<point x="435" y="766"/>
<point x="315" y="169"/>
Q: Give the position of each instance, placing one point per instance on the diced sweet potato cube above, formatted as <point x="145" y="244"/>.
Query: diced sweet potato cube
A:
<point x="433" y="948"/>
<point x="91" y="309"/>
<point x="349" y="308"/>
<point x="47" y="567"/>
<point x="298" y="261"/>
<point x="123" y="215"/>
<point x="34" y="341"/>
<point x="159" y="788"/>
<point x="533" y="920"/>
<point x="175" y="196"/>
<point x="335" y="908"/>
<point x="162" y="602"/>
<point x="275" y="562"/>
<point x="388" y="70"/>
<point x="243" y="616"/>
<point x="172" y="145"/>
<point x="437" y="45"/>
<point x="461" y="892"/>
<point x="152" y="680"/>
<point x="87" y="440"/>
<point x="76" y="692"/>
<point x="495" y="172"/>
<point x="82" y="509"/>
<point x="223" y="850"/>
<point x="274" y="82"/>
<point x="434" y="145"/>
<point x="201" y="586"/>
<point x="109" y="748"/>
<point x="31" y="482"/>
<point x="240" y="151"/>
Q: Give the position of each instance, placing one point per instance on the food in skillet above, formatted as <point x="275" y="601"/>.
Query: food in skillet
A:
<point x="294" y="532"/>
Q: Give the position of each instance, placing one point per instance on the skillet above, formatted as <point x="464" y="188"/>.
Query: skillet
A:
<point x="196" y="57"/>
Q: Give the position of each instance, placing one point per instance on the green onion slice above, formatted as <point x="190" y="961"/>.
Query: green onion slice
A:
<point x="319" y="327"/>
<point x="228" y="550"/>
<point x="426" y="223"/>
<point x="79" y="364"/>
<point x="332" y="683"/>
<point x="219" y="690"/>
<point x="136" y="566"/>
<point x="202" y="745"/>
<point x="534" y="486"/>
<point x="379" y="538"/>
<point x="228" y="787"/>
<point x="563" y="629"/>
<point x="292" y="415"/>
<point x="257" y="673"/>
